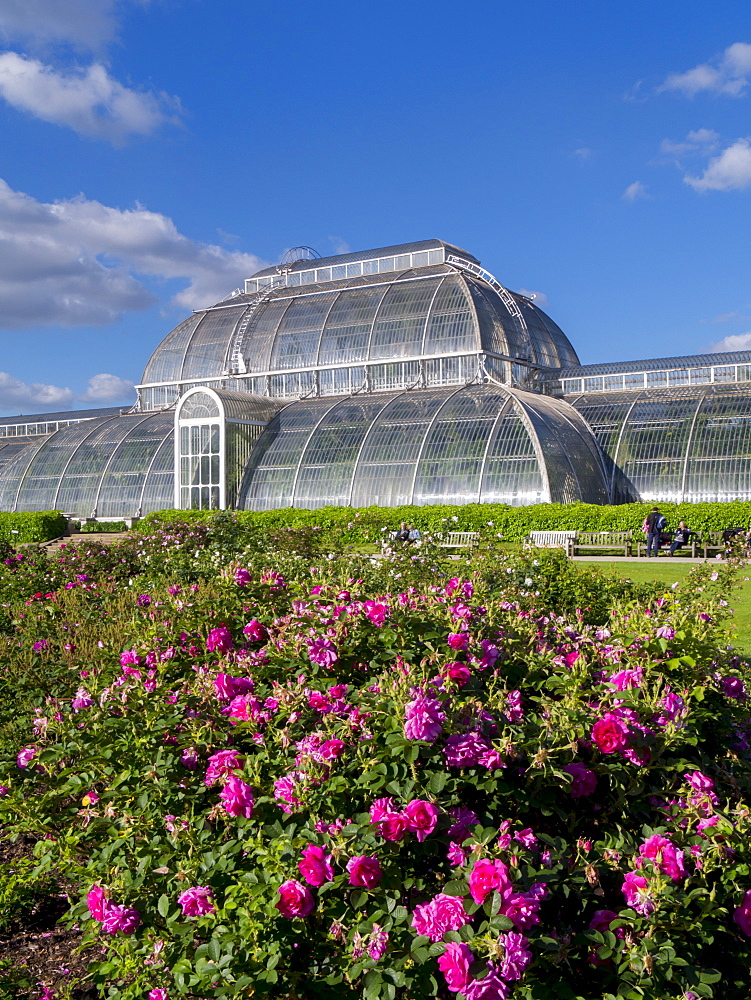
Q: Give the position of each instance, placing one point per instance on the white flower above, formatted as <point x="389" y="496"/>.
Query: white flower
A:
<point x="715" y="576"/>
<point x="674" y="586"/>
<point x="528" y="581"/>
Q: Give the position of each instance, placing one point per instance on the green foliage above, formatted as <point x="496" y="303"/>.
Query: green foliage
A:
<point x="22" y="890"/>
<point x="31" y="526"/>
<point x="355" y="526"/>
<point x="102" y="527"/>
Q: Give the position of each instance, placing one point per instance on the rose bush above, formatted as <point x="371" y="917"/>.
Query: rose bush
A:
<point x="399" y="779"/>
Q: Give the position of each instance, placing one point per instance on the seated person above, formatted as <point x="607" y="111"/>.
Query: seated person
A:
<point x="414" y="534"/>
<point x="680" y="537"/>
<point x="402" y="534"/>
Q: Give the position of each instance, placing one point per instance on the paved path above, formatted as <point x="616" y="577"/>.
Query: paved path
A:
<point x="102" y="537"/>
<point x="643" y="559"/>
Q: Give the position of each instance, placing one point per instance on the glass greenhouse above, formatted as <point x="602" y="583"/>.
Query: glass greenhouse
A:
<point x="406" y="374"/>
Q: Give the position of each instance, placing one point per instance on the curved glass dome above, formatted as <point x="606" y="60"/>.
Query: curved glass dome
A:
<point x="476" y="444"/>
<point x="682" y="444"/>
<point x="422" y="312"/>
<point x="117" y="466"/>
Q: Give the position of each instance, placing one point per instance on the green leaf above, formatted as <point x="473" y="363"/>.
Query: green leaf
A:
<point x="163" y="905"/>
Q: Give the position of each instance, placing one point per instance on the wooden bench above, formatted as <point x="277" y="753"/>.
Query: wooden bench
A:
<point x="550" y="540"/>
<point x="692" y="545"/>
<point x="616" y="541"/>
<point x="712" y="542"/>
<point x="457" y="539"/>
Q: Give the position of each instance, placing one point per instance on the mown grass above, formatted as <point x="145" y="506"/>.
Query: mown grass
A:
<point x="668" y="573"/>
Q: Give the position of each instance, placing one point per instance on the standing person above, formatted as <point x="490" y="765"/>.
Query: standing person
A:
<point x="654" y="524"/>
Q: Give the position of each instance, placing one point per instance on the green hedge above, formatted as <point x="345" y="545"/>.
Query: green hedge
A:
<point x="102" y="527"/>
<point x="31" y="526"/>
<point x="365" y="524"/>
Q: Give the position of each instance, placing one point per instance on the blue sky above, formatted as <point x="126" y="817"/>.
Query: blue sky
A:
<point x="156" y="152"/>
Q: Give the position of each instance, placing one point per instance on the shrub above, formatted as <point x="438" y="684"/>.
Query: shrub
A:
<point x="373" y="779"/>
<point x="33" y="526"/>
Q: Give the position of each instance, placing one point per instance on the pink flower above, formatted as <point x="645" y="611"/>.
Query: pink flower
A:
<point x="129" y="657"/>
<point x="742" y="914"/>
<point x="668" y="858"/>
<point x="583" y="781"/>
<point x="423" y="718"/>
<point x="627" y="679"/>
<point x="457" y="673"/>
<point x="602" y="920"/>
<point x="487" y="876"/>
<point x="322" y="651"/>
<point x="364" y="871"/>
<point x="422" y="817"/>
<point x="393" y="826"/>
<point x="97" y="902"/>
<point x="376" y="611"/>
<point x="490" y="987"/>
<point x="636" y="893"/>
<point x="237" y="798"/>
<point x="255" y="631"/>
<point x="25" y="756"/>
<point x="513" y="710"/>
<point x="456" y="854"/>
<point x="458" y="640"/>
<point x="228" y="687"/>
<point x="522" y="907"/>
<point x="242" y="577"/>
<point x="331" y="749"/>
<point x="610" y="733"/>
<point x="285" y="790"/>
<point x="454" y="963"/>
<point x="197" y="901"/>
<point x="295" y="899"/>
<point x="443" y="913"/>
<point x="82" y="700"/>
<point x="516" y="957"/>
<point x="219" y="640"/>
<point x="379" y="941"/>
<point x="221" y="765"/>
<point x="120" y="919"/>
<point x="700" y="782"/>
<point x="465" y="749"/>
<point x="463" y="819"/>
<point x="158" y="994"/>
<point x="315" y="866"/>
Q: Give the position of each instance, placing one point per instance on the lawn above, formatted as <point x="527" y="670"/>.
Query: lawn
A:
<point x="669" y="573"/>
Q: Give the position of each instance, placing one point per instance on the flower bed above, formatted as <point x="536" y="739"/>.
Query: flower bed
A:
<point x="397" y="779"/>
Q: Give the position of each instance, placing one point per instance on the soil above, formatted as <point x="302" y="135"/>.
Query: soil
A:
<point x="42" y="952"/>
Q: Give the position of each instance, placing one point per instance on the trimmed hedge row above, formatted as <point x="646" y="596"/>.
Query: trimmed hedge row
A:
<point x="31" y="526"/>
<point x="365" y="524"/>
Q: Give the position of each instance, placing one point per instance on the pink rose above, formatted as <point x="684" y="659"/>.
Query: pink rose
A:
<point x="255" y="631"/>
<point x="219" y="640"/>
<point x="97" y="902"/>
<point x="237" y="798"/>
<point x="454" y="963"/>
<point x="583" y="781"/>
<point x="295" y="899"/>
<point x="487" y="876"/>
<point x="441" y="914"/>
<point x="742" y="915"/>
<point x="197" y="901"/>
<point x="635" y="890"/>
<point x="221" y="765"/>
<point x="364" y="871"/>
<point x="423" y="718"/>
<point x="610" y="733"/>
<point x="120" y="919"/>
<point x="422" y="817"/>
<point x="668" y="858"/>
<point x="331" y="749"/>
<point x="315" y="866"/>
<point x="458" y="640"/>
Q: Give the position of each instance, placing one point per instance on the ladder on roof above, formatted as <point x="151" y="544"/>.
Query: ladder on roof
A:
<point x="506" y="297"/>
<point x="236" y="364"/>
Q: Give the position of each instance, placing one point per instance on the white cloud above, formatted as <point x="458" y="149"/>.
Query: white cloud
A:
<point x="79" y="262"/>
<point x="635" y="192"/>
<point x="88" y="100"/>
<point x="15" y="393"/>
<point x="583" y="153"/>
<point x="727" y="73"/>
<point x="87" y="24"/>
<point x="737" y="342"/>
<point x="730" y="171"/>
<point x="540" y="298"/>
<point x="108" y="389"/>
<point x="701" y="141"/>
